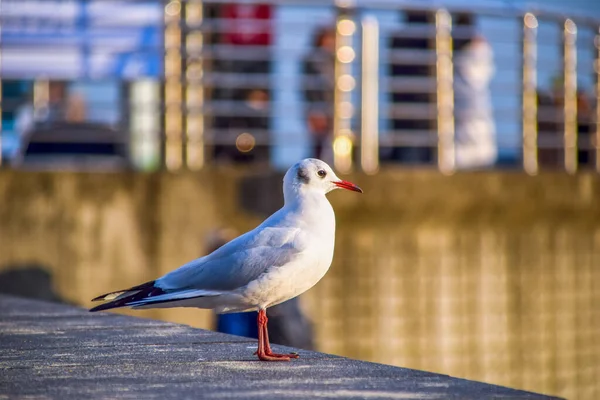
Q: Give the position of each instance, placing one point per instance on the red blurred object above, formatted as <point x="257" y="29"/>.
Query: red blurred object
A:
<point x="247" y="24"/>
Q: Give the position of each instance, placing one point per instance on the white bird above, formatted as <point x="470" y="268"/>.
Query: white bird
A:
<point x="281" y="258"/>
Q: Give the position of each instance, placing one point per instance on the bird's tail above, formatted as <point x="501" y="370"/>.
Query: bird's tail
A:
<point x="124" y="298"/>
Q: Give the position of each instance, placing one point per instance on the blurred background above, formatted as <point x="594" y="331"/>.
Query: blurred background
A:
<point x="138" y="135"/>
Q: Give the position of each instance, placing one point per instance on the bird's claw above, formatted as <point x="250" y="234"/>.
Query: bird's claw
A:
<point x="265" y="357"/>
<point x="269" y="356"/>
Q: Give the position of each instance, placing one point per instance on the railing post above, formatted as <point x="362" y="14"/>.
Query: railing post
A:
<point x="597" y="70"/>
<point x="173" y="88"/>
<point x="1" y="86"/>
<point x="529" y="100"/>
<point x="144" y="124"/>
<point x="343" y="110"/>
<point x="0" y="114"/>
<point x="194" y="89"/>
<point x="570" y="96"/>
<point x="445" y="92"/>
<point x="369" y="149"/>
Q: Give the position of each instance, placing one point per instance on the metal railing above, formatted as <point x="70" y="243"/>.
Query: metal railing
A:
<point x="208" y="79"/>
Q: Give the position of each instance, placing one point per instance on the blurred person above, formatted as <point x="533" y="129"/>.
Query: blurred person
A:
<point x="63" y="106"/>
<point x="287" y="324"/>
<point x="55" y="109"/>
<point x="319" y="70"/>
<point x="75" y="108"/>
<point x="475" y="131"/>
<point x="58" y="134"/>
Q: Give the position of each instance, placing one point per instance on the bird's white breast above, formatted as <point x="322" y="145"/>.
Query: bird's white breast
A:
<point x="282" y="283"/>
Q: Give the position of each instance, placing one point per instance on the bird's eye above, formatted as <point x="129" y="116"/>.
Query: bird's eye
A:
<point x="322" y="173"/>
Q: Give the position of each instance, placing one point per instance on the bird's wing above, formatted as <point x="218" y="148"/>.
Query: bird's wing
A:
<point x="169" y="297"/>
<point x="239" y="262"/>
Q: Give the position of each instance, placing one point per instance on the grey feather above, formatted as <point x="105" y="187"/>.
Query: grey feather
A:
<point x="240" y="261"/>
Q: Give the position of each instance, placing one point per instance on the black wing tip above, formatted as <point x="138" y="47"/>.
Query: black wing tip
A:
<point x="143" y="286"/>
<point x="102" y="307"/>
<point x="110" y="304"/>
<point x="139" y="292"/>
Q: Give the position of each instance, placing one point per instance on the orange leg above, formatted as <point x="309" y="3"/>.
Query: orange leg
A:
<point x="264" y="351"/>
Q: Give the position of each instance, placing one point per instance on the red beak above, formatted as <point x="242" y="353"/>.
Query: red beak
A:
<point x="348" y="186"/>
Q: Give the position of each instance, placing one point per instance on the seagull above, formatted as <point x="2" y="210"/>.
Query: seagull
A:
<point x="281" y="258"/>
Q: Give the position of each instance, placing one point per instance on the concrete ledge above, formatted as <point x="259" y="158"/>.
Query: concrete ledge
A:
<point x="56" y="351"/>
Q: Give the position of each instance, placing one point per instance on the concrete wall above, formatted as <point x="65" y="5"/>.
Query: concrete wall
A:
<point x="490" y="276"/>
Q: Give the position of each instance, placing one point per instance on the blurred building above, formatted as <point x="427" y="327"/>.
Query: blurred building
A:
<point x="181" y="84"/>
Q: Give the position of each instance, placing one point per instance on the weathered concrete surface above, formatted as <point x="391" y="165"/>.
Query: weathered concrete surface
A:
<point x="56" y="351"/>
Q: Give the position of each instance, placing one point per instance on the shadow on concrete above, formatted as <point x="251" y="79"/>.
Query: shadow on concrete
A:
<point x="32" y="281"/>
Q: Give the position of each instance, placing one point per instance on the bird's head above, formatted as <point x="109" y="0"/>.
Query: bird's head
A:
<point x="312" y="175"/>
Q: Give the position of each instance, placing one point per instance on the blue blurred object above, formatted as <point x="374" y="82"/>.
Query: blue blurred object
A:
<point x="240" y="324"/>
